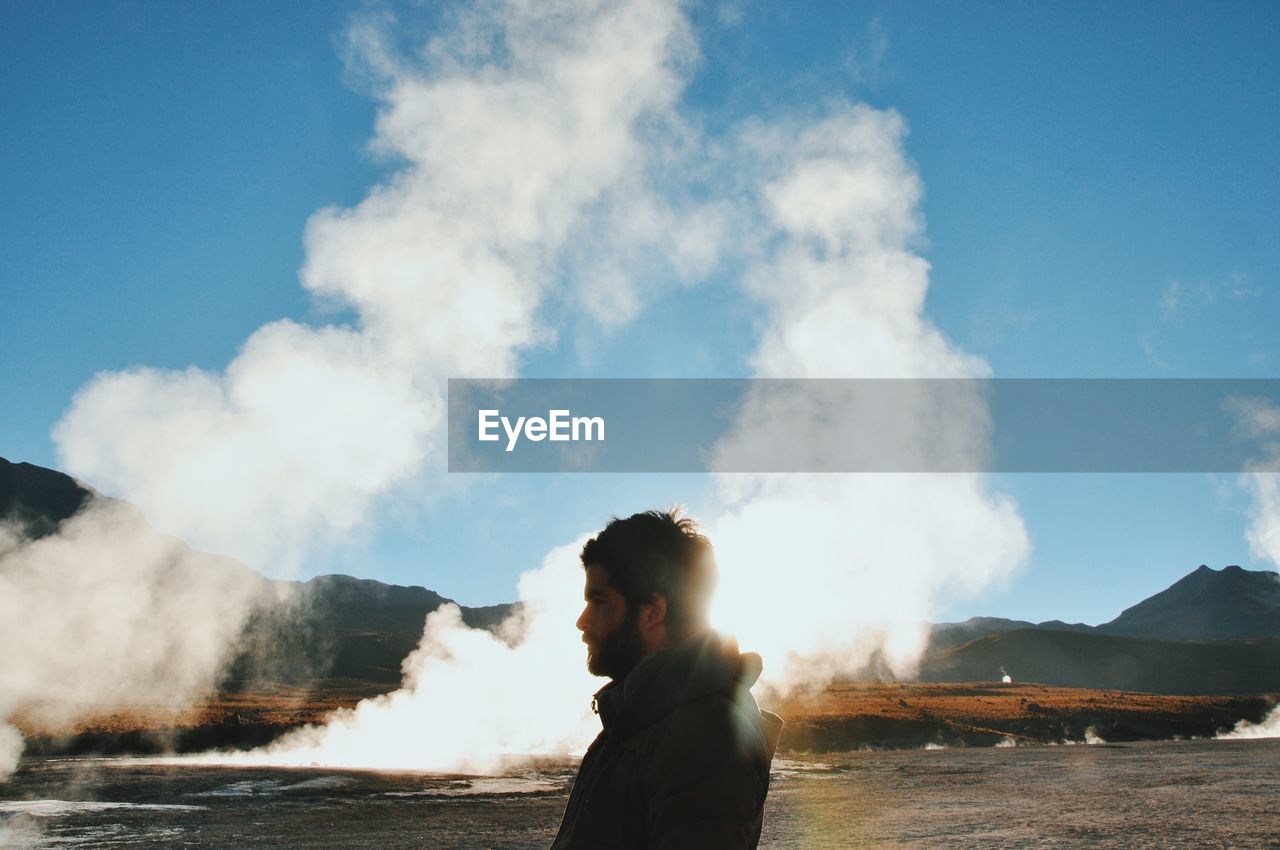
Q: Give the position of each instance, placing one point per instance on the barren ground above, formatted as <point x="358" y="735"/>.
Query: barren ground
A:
<point x="839" y="718"/>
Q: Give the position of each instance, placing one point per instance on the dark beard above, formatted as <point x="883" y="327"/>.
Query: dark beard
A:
<point x="618" y="652"/>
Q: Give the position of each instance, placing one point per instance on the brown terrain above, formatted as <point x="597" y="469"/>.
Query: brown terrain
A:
<point x="839" y="718"/>
<point x="889" y="716"/>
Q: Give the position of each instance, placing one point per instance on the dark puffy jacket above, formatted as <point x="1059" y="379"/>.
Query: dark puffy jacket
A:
<point x="683" y="759"/>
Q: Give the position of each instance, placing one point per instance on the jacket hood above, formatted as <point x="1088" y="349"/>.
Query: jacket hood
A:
<point x="702" y="664"/>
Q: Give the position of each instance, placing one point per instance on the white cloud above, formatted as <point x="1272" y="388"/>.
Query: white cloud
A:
<point x="821" y="571"/>
<point x="1177" y="295"/>
<point x="1258" y="419"/>
<point x="1180" y="301"/>
<point x="538" y="155"/>
<point x="867" y="56"/>
<point x="529" y="137"/>
<point x="283" y="451"/>
<point x="544" y="163"/>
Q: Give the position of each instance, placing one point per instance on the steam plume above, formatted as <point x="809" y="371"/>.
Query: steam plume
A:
<point x="1259" y="420"/>
<point x="469" y="696"/>
<point x="10" y="750"/>
<point x="535" y="145"/>
<point x="531" y="129"/>
<point x="542" y="158"/>
<point x="820" y="573"/>
<point x="865" y="557"/>
<point x="1268" y="727"/>
<point x="109" y="613"/>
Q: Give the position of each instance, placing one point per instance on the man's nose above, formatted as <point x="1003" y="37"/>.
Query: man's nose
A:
<point x="581" y="618"/>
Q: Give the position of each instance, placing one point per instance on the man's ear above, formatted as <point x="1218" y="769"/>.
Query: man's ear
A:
<point x="654" y="612"/>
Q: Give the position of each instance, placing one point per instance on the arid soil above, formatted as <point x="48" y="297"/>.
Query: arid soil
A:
<point x="241" y="720"/>
<point x="888" y="716"/>
<point x="841" y="717"/>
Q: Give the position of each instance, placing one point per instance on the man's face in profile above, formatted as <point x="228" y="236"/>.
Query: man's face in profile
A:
<point x="609" y="629"/>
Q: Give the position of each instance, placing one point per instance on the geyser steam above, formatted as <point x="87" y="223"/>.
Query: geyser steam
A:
<point x="534" y="140"/>
<point x="547" y="171"/>
<point x="513" y="165"/>
<point x="469" y="696"/>
<point x="109" y="613"/>
<point x="1258" y="419"/>
<point x="820" y="573"/>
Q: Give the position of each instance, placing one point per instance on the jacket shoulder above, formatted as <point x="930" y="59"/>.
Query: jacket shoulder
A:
<point x="706" y="774"/>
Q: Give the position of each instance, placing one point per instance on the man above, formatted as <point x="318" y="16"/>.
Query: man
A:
<point x="683" y="758"/>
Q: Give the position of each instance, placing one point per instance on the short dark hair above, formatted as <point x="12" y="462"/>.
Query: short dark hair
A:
<point x="658" y="552"/>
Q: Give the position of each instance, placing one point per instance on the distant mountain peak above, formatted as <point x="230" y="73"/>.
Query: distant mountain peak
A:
<point x="38" y="498"/>
<point x="1207" y="604"/>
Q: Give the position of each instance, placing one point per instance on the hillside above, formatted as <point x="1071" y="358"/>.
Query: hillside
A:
<point x="1214" y="631"/>
<point x="339" y="632"/>
<point x="37" y="499"/>
<point x="331" y="631"/>
<point x="943" y="635"/>
<point x="1072" y="659"/>
<point x="1208" y="604"/>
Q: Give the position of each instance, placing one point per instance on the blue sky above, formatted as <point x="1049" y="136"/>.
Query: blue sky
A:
<point x="1102" y="192"/>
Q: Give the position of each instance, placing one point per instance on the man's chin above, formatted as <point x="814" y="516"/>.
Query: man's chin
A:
<point x="598" y="665"/>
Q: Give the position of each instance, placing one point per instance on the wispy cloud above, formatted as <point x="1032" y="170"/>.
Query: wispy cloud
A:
<point x="1180" y="303"/>
<point x="1177" y="296"/>
<point x="866" y="58"/>
<point x="993" y="325"/>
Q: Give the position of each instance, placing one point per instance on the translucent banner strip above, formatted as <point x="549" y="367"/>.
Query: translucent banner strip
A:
<point x="864" y="425"/>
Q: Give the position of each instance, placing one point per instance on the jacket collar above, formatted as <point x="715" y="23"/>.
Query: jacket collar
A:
<point x="704" y="663"/>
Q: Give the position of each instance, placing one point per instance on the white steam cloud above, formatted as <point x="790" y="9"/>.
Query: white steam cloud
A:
<point x="820" y="571"/>
<point x="469" y="696"/>
<point x="1264" y="524"/>
<point x="1258" y="420"/>
<point x="536" y="145"/>
<point x="11" y="746"/>
<point x="511" y="165"/>
<point x="108" y="614"/>
<point x="1268" y="727"/>
<point x="543" y="169"/>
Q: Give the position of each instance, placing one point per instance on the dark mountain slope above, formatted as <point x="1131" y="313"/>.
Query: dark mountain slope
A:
<point x="1077" y="660"/>
<point x="1211" y="632"/>
<point x="1231" y="603"/>
<point x="944" y="635"/>
<point x="37" y="498"/>
<point x="299" y="633"/>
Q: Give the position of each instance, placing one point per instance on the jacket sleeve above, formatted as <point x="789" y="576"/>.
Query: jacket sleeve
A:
<point x="706" y="780"/>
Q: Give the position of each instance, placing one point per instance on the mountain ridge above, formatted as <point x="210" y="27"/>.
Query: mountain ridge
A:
<point x="1206" y="604"/>
<point x="1210" y="629"/>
